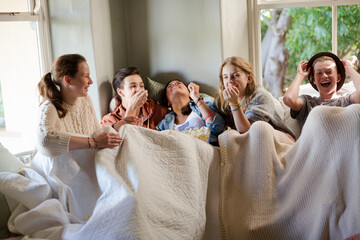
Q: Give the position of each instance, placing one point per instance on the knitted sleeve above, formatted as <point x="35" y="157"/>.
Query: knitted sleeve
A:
<point x="95" y="124"/>
<point x="51" y="140"/>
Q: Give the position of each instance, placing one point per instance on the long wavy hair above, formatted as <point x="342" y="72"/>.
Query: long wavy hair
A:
<point x="50" y="84"/>
<point x="222" y="105"/>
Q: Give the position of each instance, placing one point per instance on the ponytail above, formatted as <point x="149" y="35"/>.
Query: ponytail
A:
<point x="49" y="86"/>
<point x="49" y="91"/>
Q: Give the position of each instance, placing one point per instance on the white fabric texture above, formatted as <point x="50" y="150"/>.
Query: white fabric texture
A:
<point x="54" y="132"/>
<point x="72" y="179"/>
<point x="152" y="187"/>
<point x="270" y="190"/>
<point x="168" y="185"/>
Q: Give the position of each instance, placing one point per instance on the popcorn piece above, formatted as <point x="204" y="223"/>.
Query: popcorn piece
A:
<point x="202" y="133"/>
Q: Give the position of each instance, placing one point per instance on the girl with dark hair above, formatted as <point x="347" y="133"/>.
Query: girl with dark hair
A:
<point x="189" y="110"/>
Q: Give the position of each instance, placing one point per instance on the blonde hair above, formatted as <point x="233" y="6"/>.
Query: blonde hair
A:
<point x="222" y="105"/>
<point x="320" y="59"/>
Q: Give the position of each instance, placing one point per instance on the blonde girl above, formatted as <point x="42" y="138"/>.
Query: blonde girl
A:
<point x="242" y="101"/>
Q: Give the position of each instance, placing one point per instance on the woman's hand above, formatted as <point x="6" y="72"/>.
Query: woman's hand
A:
<point x="194" y="90"/>
<point x="106" y="139"/>
<point x="301" y="68"/>
<point x="231" y="95"/>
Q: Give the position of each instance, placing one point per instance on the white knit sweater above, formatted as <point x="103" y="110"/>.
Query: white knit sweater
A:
<point x="54" y="133"/>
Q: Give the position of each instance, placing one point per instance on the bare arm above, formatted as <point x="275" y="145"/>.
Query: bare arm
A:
<point x="127" y="120"/>
<point x="231" y="95"/>
<point x="291" y="96"/>
<point x="355" y="77"/>
<point x="205" y="110"/>
<point x="102" y="140"/>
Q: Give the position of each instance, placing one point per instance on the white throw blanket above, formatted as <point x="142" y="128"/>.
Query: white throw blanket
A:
<point x="152" y="187"/>
<point x="163" y="185"/>
<point x="270" y="190"/>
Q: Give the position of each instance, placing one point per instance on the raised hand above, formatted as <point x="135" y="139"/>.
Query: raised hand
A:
<point x="301" y="69"/>
<point x="348" y="65"/>
<point x="194" y="91"/>
<point x="138" y="99"/>
<point x="231" y="95"/>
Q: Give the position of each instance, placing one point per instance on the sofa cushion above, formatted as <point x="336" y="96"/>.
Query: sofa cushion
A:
<point x="8" y="163"/>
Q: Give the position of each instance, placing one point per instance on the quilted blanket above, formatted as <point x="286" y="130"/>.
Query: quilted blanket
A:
<point x="154" y="186"/>
<point x="168" y="185"/>
<point x="273" y="190"/>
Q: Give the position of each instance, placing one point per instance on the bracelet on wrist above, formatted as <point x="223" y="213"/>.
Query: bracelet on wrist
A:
<point x="234" y="105"/>
<point x="92" y="143"/>
<point x="235" y="108"/>
<point x="209" y="116"/>
<point x="95" y="143"/>
<point x="89" y="143"/>
<point x="198" y="100"/>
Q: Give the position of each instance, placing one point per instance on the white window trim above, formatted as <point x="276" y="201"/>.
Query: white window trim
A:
<point x="38" y="13"/>
<point x="254" y="24"/>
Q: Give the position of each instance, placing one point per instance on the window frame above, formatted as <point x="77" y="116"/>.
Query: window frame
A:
<point x="39" y="13"/>
<point x="254" y="24"/>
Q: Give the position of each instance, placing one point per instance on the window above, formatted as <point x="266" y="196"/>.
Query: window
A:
<point x="25" y="56"/>
<point x="284" y="32"/>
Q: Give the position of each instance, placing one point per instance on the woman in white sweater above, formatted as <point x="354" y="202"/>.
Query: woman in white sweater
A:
<point x="66" y="109"/>
<point x="67" y="134"/>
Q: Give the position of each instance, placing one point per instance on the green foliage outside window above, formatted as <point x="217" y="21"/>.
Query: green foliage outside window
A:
<point x="310" y="32"/>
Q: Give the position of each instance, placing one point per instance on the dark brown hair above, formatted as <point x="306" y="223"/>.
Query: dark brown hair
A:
<point x="118" y="80"/>
<point x="49" y="85"/>
<point x="164" y="101"/>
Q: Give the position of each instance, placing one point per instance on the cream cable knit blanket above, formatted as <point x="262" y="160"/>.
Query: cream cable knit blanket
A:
<point x="270" y="190"/>
<point x="152" y="187"/>
<point x="159" y="185"/>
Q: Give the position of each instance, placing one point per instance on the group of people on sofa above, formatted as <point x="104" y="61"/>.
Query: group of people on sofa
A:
<point x="67" y="111"/>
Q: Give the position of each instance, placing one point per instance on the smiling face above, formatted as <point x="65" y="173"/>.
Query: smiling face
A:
<point x="81" y="82"/>
<point x="233" y="76"/>
<point x="326" y="78"/>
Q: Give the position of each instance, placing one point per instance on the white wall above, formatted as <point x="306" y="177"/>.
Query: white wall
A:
<point x="234" y="28"/>
<point x="71" y="33"/>
<point x="166" y="39"/>
<point x="103" y="50"/>
<point x="179" y="39"/>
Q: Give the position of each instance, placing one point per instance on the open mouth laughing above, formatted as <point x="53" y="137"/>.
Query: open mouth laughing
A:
<point x="325" y="83"/>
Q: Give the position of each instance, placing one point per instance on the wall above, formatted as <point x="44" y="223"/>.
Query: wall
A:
<point x="176" y="39"/>
<point x="71" y="33"/>
<point x="166" y="39"/>
<point x="234" y="28"/>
